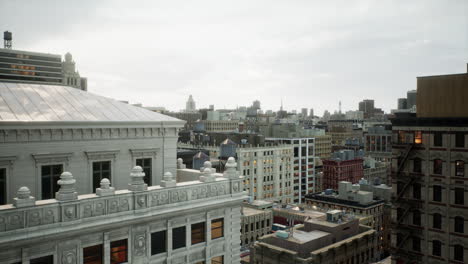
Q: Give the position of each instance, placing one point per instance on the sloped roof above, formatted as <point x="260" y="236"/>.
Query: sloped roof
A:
<point x="52" y="103"/>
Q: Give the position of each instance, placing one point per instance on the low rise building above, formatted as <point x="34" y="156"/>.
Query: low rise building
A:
<point x="369" y="202"/>
<point x="378" y="143"/>
<point x="336" y="238"/>
<point x="255" y="223"/>
<point x="221" y="125"/>
<point x="343" y="167"/>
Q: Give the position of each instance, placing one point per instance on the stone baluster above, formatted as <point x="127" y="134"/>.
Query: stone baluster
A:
<point x="23" y="198"/>
<point x="207" y="175"/>
<point x="137" y="184"/>
<point x="180" y="164"/>
<point x="168" y="180"/>
<point x="67" y="191"/>
<point x="207" y="164"/>
<point x="105" y="189"/>
<point x="230" y="171"/>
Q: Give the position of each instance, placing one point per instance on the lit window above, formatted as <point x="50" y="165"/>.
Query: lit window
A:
<point x="459" y="168"/>
<point x="418" y="137"/>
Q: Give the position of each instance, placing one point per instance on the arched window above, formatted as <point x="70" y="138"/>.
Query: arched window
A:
<point x="458" y="252"/>
<point x="459" y="225"/>
<point x="436" y="248"/>
<point x="437" y="221"/>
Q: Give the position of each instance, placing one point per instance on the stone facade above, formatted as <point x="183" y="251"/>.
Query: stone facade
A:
<point x="255" y="223"/>
<point x="64" y="229"/>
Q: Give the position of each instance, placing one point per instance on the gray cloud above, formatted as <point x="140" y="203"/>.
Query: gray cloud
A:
<point x="228" y="53"/>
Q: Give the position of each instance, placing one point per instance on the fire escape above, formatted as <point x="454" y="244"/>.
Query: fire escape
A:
<point x="405" y="205"/>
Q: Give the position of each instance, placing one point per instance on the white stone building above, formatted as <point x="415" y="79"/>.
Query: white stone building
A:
<point x="52" y="216"/>
<point x="45" y="130"/>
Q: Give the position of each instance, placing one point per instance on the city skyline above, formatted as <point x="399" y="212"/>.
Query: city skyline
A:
<point x="302" y="54"/>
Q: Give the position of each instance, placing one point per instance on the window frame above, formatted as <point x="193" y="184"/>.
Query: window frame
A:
<point x="198" y="233"/>
<point x="436" y="248"/>
<point x="437" y="224"/>
<point x="417" y="165"/>
<point x="459" y="140"/>
<point x="153" y="238"/>
<point x="4" y="182"/>
<point x="437" y="194"/>
<point x="98" y="156"/>
<point x="53" y="178"/>
<point x="438" y="139"/>
<point x="459" y="168"/>
<point x="148" y="176"/>
<point x="147" y="153"/>
<point x="101" y="172"/>
<point x="459" y="224"/>
<point x="220" y="227"/>
<point x="180" y="230"/>
<point x="49" y="159"/>
<point x="435" y="165"/>
<point x="458" y="250"/>
<point x="93" y="246"/>
<point x="118" y="251"/>
<point x="457" y="199"/>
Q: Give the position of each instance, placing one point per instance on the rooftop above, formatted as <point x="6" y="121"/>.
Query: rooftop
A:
<point x="248" y="211"/>
<point x="52" y="103"/>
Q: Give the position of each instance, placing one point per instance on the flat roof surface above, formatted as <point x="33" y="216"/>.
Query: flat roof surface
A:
<point x="248" y="211"/>
<point x="303" y="237"/>
<point x="20" y="102"/>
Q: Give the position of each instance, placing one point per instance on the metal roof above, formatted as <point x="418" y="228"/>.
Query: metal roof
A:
<point x="21" y="102"/>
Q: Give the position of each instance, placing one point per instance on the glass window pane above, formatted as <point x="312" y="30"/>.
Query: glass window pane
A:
<point x="198" y="233"/>
<point x="178" y="237"/>
<point x="217" y="228"/>
<point x="43" y="260"/>
<point x="158" y="242"/>
<point x="93" y="254"/>
<point x="3" y="190"/>
<point x="118" y="251"/>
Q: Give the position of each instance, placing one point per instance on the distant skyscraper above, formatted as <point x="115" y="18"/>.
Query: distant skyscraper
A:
<point x="304" y="112"/>
<point x="311" y="114"/>
<point x="190" y="105"/>
<point x="256" y="104"/>
<point x="410" y="99"/>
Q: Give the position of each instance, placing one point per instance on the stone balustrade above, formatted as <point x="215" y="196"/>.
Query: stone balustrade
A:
<point x="69" y="208"/>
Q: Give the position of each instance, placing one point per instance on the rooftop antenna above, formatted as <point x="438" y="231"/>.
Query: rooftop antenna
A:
<point x="7" y="39"/>
<point x="281" y="104"/>
<point x="340" y="107"/>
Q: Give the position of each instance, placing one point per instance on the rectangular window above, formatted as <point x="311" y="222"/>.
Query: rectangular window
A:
<point x="42" y="260"/>
<point x="146" y="164"/>
<point x="217" y="228"/>
<point x="246" y="228"/>
<point x="438" y="139"/>
<point x="459" y="168"/>
<point x="92" y="255"/>
<point x="437" y="193"/>
<point x="416" y="244"/>
<point x="459" y="196"/>
<point x="417" y="165"/>
<point x="198" y="233"/>
<point x="158" y="242"/>
<point x="50" y="174"/>
<point x="118" y="251"/>
<point x="217" y="260"/>
<point x="178" y="237"/>
<point x="438" y="166"/>
<point x="436" y="248"/>
<point x="416" y="191"/>
<point x="459" y="140"/>
<point x="101" y="170"/>
<point x="3" y="185"/>
<point x="417" y="137"/>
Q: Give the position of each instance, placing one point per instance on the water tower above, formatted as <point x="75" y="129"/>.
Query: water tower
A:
<point x="227" y="149"/>
<point x="199" y="159"/>
<point x="7" y="39"/>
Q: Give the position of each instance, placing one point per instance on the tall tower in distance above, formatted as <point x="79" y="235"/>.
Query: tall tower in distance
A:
<point x="7" y="39"/>
<point x="190" y="105"/>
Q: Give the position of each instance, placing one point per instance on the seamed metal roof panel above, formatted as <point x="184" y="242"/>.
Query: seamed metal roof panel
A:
<point x="35" y="102"/>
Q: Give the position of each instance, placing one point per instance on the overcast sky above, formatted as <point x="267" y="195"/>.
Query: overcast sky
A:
<point x="228" y="53"/>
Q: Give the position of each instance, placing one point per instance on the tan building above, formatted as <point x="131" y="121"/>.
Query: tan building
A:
<point x="255" y="223"/>
<point x="334" y="239"/>
<point x="323" y="146"/>
<point x="221" y="125"/>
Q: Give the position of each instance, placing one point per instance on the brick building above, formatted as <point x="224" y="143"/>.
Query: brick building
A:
<point x="344" y="169"/>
